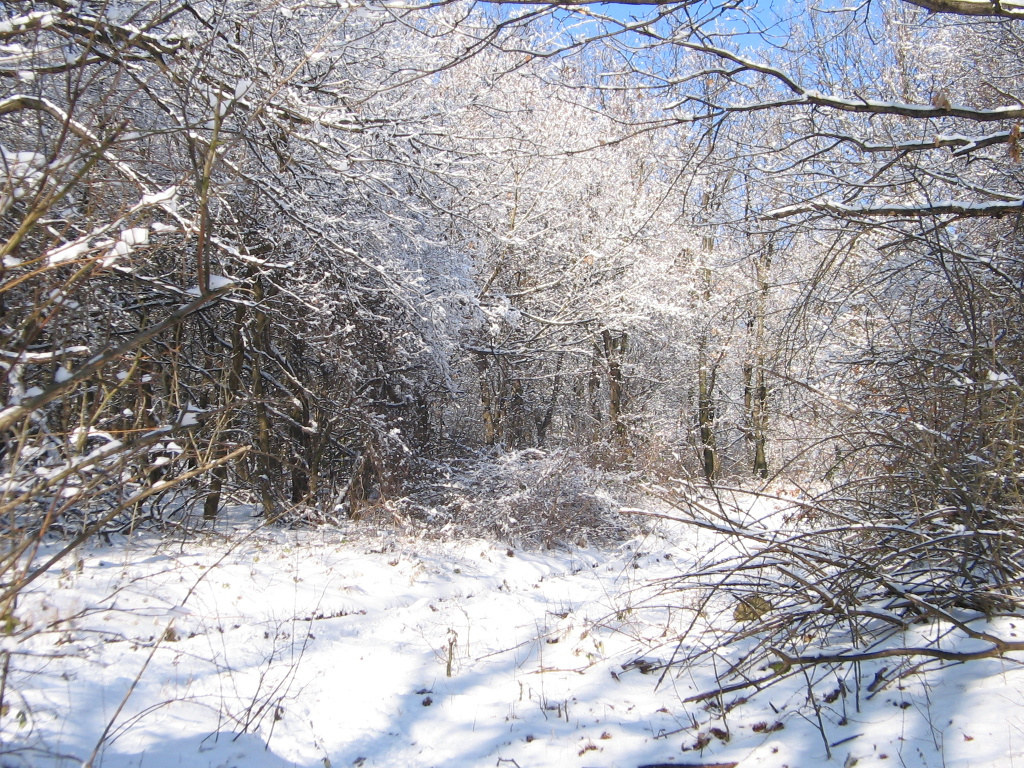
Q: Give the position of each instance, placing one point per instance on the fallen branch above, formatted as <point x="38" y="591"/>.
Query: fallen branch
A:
<point x="1001" y="648"/>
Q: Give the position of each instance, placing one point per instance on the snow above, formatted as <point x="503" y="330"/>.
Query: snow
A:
<point x="220" y="281"/>
<point x="135" y="236"/>
<point x="68" y="252"/>
<point x="190" y="415"/>
<point x="45" y="357"/>
<point x="242" y="87"/>
<point x="216" y="283"/>
<point x="352" y="646"/>
<point x="168" y="199"/>
<point x="18" y="163"/>
<point x="1000" y="377"/>
<point x="39" y="19"/>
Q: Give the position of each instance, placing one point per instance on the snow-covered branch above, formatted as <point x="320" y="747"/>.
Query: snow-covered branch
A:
<point x="1000" y="9"/>
<point x="990" y="209"/>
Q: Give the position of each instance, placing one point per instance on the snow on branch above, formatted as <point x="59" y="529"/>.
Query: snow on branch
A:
<point x="19" y="25"/>
<point x="76" y="23"/>
<point x="1006" y="9"/>
<point x="960" y="144"/>
<point x="21" y="102"/>
<point x="565" y="3"/>
<point x="843" y="104"/>
<point x="14" y="413"/>
<point x="992" y="209"/>
<point x="871" y="106"/>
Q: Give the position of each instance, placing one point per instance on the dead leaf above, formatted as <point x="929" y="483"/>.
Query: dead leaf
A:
<point x="940" y="100"/>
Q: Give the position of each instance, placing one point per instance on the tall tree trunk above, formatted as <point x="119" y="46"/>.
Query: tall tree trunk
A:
<point x="265" y="461"/>
<point x="544" y="423"/>
<point x="594" y="387"/>
<point x="301" y="451"/>
<point x="614" y="348"/>
<point x="707" y="366"/>
<point x="761" y="425"/>
<point x="706" y="417"/>
<point x="231" y="383"/>
<point x="487" y="403"/>
<point x="706" y="374"/>
<point x="755" y="394"/>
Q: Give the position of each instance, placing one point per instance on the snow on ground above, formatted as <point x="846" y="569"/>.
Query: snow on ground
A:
<point x="266" y="648"/>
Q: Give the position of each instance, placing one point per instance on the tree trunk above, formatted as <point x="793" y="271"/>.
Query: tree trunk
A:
<point x="614" y="348"/>
<point x="231" y="384"/>
<point x="487" y="403"/>
<point x="755" y="394"/>
<point x="302" y="450"/>
<point x="264" y="459"/>
<point x="544" y="423"/>
<point x="706" y="372"/>
<point x="706" y="419"/>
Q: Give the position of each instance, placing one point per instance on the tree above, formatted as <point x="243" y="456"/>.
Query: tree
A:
<point x="209" y="289"/>
<point x="885" y="157"/>
<point x="902" y="160"/>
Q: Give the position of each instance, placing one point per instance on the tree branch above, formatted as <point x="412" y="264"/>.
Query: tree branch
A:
<point x="992" y="209"/>
<point x="989" y="8"/>
<point x="961" y="145"/>
<point x="843" y="657"/>
<point x="14" y="413"/>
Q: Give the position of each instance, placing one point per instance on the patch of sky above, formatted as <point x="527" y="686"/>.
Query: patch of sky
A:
<point x="741" y="26"/>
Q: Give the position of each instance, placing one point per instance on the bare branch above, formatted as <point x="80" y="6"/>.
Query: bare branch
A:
<point x="843" y="104"/>
<point x="844" y="657"/>
<point x="961" y="145"/>
<point x="988" y="8"/>
<point x="14" y="413"/>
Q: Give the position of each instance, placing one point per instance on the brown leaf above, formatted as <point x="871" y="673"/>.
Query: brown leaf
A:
<point x="941" y="101"/>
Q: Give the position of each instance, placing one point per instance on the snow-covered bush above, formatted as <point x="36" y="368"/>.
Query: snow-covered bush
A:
<point x="529" y="498"/>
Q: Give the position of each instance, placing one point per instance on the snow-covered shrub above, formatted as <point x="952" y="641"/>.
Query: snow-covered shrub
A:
<point x="796" y="581"/>
<point x="528" y="498"/>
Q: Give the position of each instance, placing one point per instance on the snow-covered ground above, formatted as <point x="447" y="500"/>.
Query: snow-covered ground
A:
<point x="359" y="648"/>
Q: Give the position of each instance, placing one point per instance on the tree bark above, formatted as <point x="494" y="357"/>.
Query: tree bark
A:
<point x="614" y="348"/>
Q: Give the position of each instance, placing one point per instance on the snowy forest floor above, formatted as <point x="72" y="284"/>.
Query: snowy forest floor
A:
<point x="369" y="648"/>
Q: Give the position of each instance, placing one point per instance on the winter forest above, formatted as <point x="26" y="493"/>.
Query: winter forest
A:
<point x="517" y="346"/>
